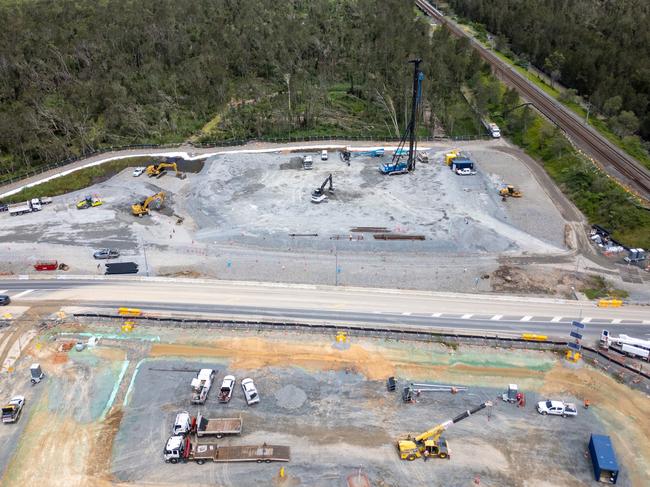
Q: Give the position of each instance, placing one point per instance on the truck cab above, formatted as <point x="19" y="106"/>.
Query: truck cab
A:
<point x="11" y="411"/>
<point x="174" y="449"/>
<point x="182" y="424"/>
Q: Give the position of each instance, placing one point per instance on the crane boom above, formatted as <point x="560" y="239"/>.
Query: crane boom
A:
<point x="434" y="433"/>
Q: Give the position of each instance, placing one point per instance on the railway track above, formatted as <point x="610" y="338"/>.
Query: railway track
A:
<point x="625" y="168"/>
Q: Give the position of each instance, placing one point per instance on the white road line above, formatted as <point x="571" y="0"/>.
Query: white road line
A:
<point x="466" y="317"/>
<point x="585" y="320"/>
<point x="406" y="313"/>
<point x="436" y="315"/>
<point x="496" y="317"/>
<point x="4" y="291"/>
<point x="526" y="318"/>
<point x="556" y="319"/>
<point x="20" y="295"/>
<point x="616" y="321"/>
<point x="646" y="322"/>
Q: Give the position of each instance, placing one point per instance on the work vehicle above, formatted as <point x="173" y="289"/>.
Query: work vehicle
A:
<point x="35" y="204"/>
<point x="36" y="373"/>
<point x="510" y="191"/>
<point x="494" y="130"/>
<point x="423" y="157"/>
<point x="634" y="347"/>
<point x="557" y="408"/>
<point x="466" y="171"/>
<point x="396" y="166"/>
<point x="217" y="427"/>
<point x="201" y="385"/>
<point x="138" y="171"/>
<point x="307" y="163"/>
<point x="4" y="300"/>
<point x="347" y="154"/>
<point x="3" y="207"/>
<point x="159" y="170"/>
<point x="181" y="449"/>
<point x="182" y="423"/>
<point x="154" y="201"/>
<point x="11" y="411"/>
<point x="451" y="155"/>
<point x="430" y="443"/>
<point x="106" y="254"/>
<point x="411" y="392"/>
<point x="227" y="386"/>
<point x="323" y="155"/>
<point x="89" y="202"/>
<point x="318" y="195"/>
<point x="250" y="391"/>
<point x="635" y="255"/>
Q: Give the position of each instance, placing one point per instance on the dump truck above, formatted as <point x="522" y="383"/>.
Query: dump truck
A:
<point x="217" y="427"/>
<point x="201" y="385"/>
<point x="11" y="411"/>
<point x="182" y="449"/>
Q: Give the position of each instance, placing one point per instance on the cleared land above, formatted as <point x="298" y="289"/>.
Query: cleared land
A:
<point x="90" y="423"/>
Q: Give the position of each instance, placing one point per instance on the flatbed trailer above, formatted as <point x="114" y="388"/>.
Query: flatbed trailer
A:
<point x="218" y="427"/>
<point x="181" y="449"/>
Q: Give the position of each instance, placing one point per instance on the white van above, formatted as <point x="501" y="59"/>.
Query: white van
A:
<point x="323" y="155"/>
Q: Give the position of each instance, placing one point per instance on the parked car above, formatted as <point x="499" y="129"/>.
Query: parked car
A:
<point x="138" y="171"/>
<point x="3" y="207"/>
<point x="4" y="300"/>
<point x="106" y="254"/>
<point x="227" y="386"/>
<point x="250" y="391"/>
<point x="323" y="155"/>
<point x="557" y="408"/>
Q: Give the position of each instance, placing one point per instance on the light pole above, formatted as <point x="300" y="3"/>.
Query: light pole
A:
<point x="144" y="252"/>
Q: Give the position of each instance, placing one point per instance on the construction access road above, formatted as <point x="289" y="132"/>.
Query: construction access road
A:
<point x="248" y="300"/>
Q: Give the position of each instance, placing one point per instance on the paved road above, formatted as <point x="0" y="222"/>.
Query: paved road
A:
<point x="497" y="314"/>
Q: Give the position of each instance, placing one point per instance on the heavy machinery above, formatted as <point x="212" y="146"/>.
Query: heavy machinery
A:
<point x="510" y="191"/>
<point x="159" y="170"/>
<point x="89" y="202"/>
<point x="318" y="195"/>
<point x="346" y="154"/>
<point x="154" y="201"/>
<point x="430" y="443"/>
<point x="451" y="155"/>
<point x="396" y="165"/>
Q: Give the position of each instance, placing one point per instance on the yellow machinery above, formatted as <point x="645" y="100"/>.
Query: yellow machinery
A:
<point x="450" y="156"/>
<point x="159" y="170"/>
<point x="153" y="201"/>
<point x="89" y="202"/>
<point x="510" y="191"/>
<point x="430" y="443"/>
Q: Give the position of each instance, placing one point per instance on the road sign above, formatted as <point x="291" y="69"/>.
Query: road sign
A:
<point x="577" y="324"/>
<point x="574" y="346"/>
<point x="575" y="334"/>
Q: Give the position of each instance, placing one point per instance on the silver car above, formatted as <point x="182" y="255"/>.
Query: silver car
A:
<point x="106" y="254"/>
<point x="250" y="391"/>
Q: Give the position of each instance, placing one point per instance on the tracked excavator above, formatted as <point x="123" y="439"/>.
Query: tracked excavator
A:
<point x="154" y="201"/>
<point x="318" y="195"/>
<point x="430" y="443"/>
<point x="159" y="170"/>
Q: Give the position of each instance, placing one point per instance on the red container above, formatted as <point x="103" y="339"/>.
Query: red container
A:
<point x="46" y="265"/>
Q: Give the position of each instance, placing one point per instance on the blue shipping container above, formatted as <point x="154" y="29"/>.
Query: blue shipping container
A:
<point x="603" y="459"/>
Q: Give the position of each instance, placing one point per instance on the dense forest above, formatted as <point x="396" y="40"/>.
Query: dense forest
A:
<point x="76" y="75"/>
<point x="601" y="48"/>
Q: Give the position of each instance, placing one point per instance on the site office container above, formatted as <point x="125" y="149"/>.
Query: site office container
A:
<point x="603" y="459"/>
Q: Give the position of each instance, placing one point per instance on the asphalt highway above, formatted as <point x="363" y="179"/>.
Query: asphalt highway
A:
<point x="444" y="311"/>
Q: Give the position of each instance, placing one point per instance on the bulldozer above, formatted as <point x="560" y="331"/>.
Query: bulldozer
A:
<point x="510" y="191"/>
<point x="430" y="443"/>
<point x="159" y="170"/>
<point x="154" y="201"/>
<point x="89" y="202"/>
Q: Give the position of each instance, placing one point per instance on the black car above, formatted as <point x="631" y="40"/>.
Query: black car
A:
<point x="4" y="300"/>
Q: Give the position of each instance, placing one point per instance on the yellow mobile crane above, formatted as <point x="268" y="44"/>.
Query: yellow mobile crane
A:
<point x="159" y="170"/>
<point x="430" y="443"/>
<point x="142" y="208"/>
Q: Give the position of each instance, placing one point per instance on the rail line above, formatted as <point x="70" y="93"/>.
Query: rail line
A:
<point x="634" y="175"/>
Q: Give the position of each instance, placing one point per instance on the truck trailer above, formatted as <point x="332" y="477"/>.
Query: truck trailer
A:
<point x="217" y="427"/>
<point x="35" y="204"/>
<point x="181" y="449"/>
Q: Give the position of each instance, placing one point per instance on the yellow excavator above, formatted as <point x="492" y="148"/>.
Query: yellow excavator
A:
<point x="450" y="156"/>
<point x="430" y="443"/>
<point x="510" y="191"/>
<point x="159" y="170"/>
<point x="154" y="201"/>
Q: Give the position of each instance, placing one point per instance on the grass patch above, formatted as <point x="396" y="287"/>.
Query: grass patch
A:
<point x="597" y="287"/>
<point x="77" y="180"/>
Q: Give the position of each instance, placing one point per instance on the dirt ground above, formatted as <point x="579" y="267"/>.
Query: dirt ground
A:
<point x="90" y="424"/>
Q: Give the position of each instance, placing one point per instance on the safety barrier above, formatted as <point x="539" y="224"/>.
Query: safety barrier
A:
<point x="610" y="303"/>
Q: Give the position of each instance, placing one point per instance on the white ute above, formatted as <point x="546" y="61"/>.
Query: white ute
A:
<point x="227" y="386"/>
<point x="250" y="391"/>
<point x="558" y="408"/>
<point x="11" y="412"/>
<point x="201" y="385"/>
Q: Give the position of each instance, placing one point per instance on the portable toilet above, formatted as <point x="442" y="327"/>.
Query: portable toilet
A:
<point x="37" y="373"/>
<point x="511" y="394"/>
<point x="603" y="459"/>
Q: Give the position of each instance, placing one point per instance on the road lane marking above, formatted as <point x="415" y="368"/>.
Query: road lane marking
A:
<point x="556" y="319"/>
<point x="406" y="313"/>
<point x="586" y="320"/>
<point x="616" y="321"/>
<point x="4" y="291"/>
<point x="24" y="293"/>
<point x="526" y="318"/>
<point x="466" y="317"/>
<point x="436" y="315"/>
<point x="496" y="317"/>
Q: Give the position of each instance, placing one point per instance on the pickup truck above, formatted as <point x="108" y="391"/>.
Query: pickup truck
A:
<point x="201" y="385"/>
<point x="11" y="412"/>
<point x="227" y="387"/>
<point x="181" y="449"/>
<point x="557" y="408"/>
